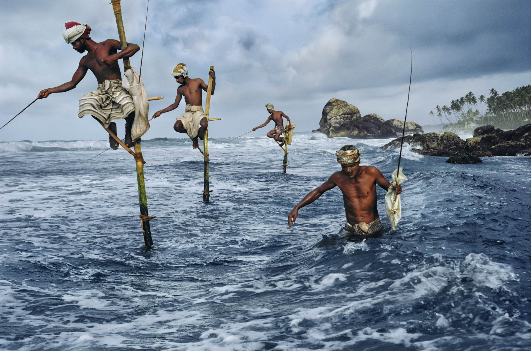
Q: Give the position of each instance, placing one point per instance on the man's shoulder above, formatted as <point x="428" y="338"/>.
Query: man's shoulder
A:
<point x="336" y="176"/>
<point x="109" y="41"/>
<point x="371" y="170"/>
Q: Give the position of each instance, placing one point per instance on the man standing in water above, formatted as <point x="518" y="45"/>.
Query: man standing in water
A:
<point x="111" y="101"/>
<point x="275" y="116"/>
<point x="194" y="121"/>
<point x="358" y="185"/>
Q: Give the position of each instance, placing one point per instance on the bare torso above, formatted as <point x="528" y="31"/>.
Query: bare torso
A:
<point x="94" y="61"/>
<point x="359" y="194"/>
<point x="276" y="117"/>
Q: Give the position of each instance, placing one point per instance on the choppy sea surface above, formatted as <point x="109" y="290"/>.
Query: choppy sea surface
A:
<point x="231" y="275"/>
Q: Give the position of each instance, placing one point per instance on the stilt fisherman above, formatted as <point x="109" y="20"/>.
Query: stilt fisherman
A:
<point x="275" y="116"/>
<point x="110" y="101"/>
<point x="194" y="120"/>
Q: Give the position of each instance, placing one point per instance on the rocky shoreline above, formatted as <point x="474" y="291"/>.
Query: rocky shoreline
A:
<point x="486" y="141"/>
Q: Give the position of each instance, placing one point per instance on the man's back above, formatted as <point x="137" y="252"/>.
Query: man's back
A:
<point x="192" y="91"/>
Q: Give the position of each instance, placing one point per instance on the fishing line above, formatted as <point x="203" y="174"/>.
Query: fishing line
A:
<point x="20" y="112"/>
<point x="99" y="154"/>
<point x="144" y="40"/>
<point x="241" y="135"/>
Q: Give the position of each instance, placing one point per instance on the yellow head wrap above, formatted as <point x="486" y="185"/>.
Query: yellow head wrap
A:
<point x="270" y="106"/>
<point x="349" y="156"/>
<point x="180" y="70"/>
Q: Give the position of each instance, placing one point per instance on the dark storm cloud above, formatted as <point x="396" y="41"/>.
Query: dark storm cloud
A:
<point x="299" y="53"/>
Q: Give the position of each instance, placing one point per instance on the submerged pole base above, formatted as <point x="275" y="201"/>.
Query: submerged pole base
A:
<point x="146" y="229"/>
<point x="206" y="196"/>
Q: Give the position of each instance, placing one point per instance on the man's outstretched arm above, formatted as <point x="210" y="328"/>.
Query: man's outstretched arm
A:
<point x="171" y="107"/>
<point x="79" y="74"/>
<point x="263" y="125"/>
<point x="308" y="199"/>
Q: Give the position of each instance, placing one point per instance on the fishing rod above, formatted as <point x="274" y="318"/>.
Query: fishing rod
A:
<point x="20" y="112"/>
<point x="144" y="40"/>
<point x="407" y="105"/>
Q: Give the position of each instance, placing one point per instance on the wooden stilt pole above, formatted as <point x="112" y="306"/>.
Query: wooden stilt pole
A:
<point x="288" y="133"/>
<point x="285" y="164"/>
<point x="206" y="190"/>
<point x="144" y="215"/>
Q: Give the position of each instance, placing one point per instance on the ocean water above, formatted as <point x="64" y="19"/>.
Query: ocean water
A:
<point x="231" y="275"/>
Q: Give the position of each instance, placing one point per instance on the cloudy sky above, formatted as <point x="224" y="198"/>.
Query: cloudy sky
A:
<point x="296" y="54"/>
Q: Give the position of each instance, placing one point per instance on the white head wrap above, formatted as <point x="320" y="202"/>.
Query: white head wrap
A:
<point x="180" y="70"/>
<point x="270" y="106"/>
<point x="346" y="157"/>
<point x="73" y="33"/>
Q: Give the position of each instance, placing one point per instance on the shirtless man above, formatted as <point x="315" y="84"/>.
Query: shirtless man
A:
<point x="275" y="116"/>
<point x="110" y="101"/>
<point x="358" y="185"/>
<point x="194" y="121"/>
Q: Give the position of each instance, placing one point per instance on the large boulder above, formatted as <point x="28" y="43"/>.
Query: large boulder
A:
<point x="340" y="118"/>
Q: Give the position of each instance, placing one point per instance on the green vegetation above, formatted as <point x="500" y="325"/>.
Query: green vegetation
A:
<point x="510" y="110"/>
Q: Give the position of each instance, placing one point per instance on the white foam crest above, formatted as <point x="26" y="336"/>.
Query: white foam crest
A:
<point x="245" y="336"/>
<point x="21" y="146"/>
<point x="15" y="146"/>
<point x="352" y="247"/>
<point x="399" y="336"/>
<point x="428" y="281"/>
<point x="87" y="299"/>
<point x="485" y="272"/>
<point x="328" y="281"/>
<point x="407" y="152"/>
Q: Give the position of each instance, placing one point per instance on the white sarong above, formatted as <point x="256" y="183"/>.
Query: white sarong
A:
<point x="191" y="119"/>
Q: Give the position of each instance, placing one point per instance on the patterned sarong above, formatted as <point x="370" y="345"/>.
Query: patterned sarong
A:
<point x="191" y="119"/>
<point x="111" y="101"/>
<point x="277" y="130"/>
<point x="363" y="230"/>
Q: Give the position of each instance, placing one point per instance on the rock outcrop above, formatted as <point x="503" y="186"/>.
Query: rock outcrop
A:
<point x="341" y="119"/>
<point x="338" y="118"/>
<point x="487" y="141"/>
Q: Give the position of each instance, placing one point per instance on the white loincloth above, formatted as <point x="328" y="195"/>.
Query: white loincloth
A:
<point x="111" y="101"/>
<point x="191" y="119"/>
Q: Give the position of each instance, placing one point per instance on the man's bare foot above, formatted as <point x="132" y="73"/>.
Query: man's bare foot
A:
<point x="195" y="143"/>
